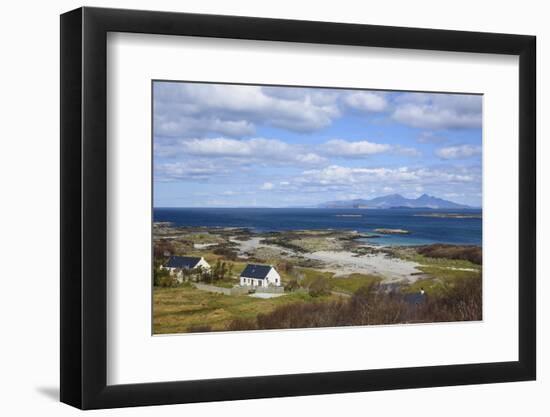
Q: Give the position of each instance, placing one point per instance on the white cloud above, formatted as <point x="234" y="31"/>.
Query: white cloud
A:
<point x="265" y="151"/>
<point x="363" y="148"/>
<point x="405" y="151"/>
<point x="189" y="126"/>
<point x="384" y="177"/>
<point x="340" y="147"/>
<point x="310" y="158"/>
<point x="458" y="152"/>
<point x="366" y="101"/>
<point x="438" y="111"/>
<point x="306" y="111"/>
<point x="187" y="170"/>
<point x="267" y="186"/>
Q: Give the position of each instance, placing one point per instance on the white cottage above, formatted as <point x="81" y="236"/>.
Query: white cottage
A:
<point x="176" y="264"/>
<point x="260" y="276"/>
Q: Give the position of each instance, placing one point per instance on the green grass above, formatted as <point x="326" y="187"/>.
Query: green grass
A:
<point x="348" y="284"/>
<point x="175" y="310"/>
<point x="441" y="273"/>
<point x="438" y="262"/>
<point x="226" y="283"/>
<point x="353" y="282"/>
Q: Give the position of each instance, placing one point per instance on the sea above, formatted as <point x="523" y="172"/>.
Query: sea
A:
<point x="424" y="229"/>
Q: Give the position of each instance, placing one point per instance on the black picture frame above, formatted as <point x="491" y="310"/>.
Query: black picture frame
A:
<point x="84" y="207"/>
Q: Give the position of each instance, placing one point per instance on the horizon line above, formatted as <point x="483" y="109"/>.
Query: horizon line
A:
<point x="318" y="208"/>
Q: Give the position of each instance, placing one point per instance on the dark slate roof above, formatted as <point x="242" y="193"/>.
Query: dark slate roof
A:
<point x="415" y="299"/>
<point x="256" y="271"/>
<point x="184" y="262"/>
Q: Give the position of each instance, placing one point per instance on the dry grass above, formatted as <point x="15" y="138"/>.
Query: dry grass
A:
<point x="184" y="309"/>
<point x="369" y="306"/>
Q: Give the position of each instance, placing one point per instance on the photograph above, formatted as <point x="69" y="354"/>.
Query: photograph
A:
<point x="286" y="207"/>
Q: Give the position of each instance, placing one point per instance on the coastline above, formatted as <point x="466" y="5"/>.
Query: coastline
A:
<point x="342" y="253"/>
<point x="317" y="268"/>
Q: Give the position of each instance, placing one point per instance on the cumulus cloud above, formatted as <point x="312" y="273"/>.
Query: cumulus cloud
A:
<point x="387" y="177"/>
<point x="364" y="148"/>
<point x="266" y="151"/>
<point x="267" y="186"/>
<point x="438" y="111"/>
<point x="340" y="147"/>
<point x="367" y="101"/>
<point x="186" y="170"/>
<point x="406" y="151"/>
<point x="303" y="111"/>
<point x="182" y="125"/>
<point x="458" y="152"/>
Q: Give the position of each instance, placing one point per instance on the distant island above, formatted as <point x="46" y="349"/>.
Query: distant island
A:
<point x="396" y="201"/>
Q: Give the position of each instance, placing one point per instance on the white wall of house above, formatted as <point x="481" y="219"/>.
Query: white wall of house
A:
<point x="203" y="264"/>
<point x="273" y="278"/>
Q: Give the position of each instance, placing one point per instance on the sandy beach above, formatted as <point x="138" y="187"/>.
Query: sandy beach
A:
<point x="346" y="263"/>
<point x="343" y="263"/>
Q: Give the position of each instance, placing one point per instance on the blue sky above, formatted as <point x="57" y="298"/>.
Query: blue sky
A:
<point x="223" y="145"/>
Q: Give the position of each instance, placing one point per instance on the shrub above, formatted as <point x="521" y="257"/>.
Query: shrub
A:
<point x="161" y="277"/>
<point x="467" y="252"/>
<point x="226" y="252"/>
<point x="285" y="267"/>
<point x="370" y="306"/>
<point x="162" y="248"/>
<point x="319" y="287"/>
<point x="292" y="285"/>
<point x="462" y="301"/>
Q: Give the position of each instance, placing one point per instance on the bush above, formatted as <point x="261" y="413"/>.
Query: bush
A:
<point x="467" y="252"/>
<point x="370" y="306"/>
<point x="292" y="285"/>
<point x="285" y="266"/>
<point x="161" y="277"/>
<point x="162" y="248"/>
<point x="319" y="287"/>
<point x="226" y="252"/>
<point x="167" y="282"/>
<point x="462" y="301"/>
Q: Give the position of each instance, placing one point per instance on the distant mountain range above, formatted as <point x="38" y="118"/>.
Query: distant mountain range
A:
<point x="425" y="201"/>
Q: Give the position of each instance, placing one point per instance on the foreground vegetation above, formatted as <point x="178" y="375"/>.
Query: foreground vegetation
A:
<point x="369" y="306"/>
<point x="315" y="296"/>
<point x="186" y="309"/>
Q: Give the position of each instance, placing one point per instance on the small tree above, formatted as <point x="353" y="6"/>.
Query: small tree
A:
<point x="160" y="275"/>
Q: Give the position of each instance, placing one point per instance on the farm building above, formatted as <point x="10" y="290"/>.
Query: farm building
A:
<point x="177" y="264"/>
<point x="260" y="276"/>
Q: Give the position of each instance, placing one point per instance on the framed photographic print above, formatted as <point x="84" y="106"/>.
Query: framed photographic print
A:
<point x="258" y="208"/>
